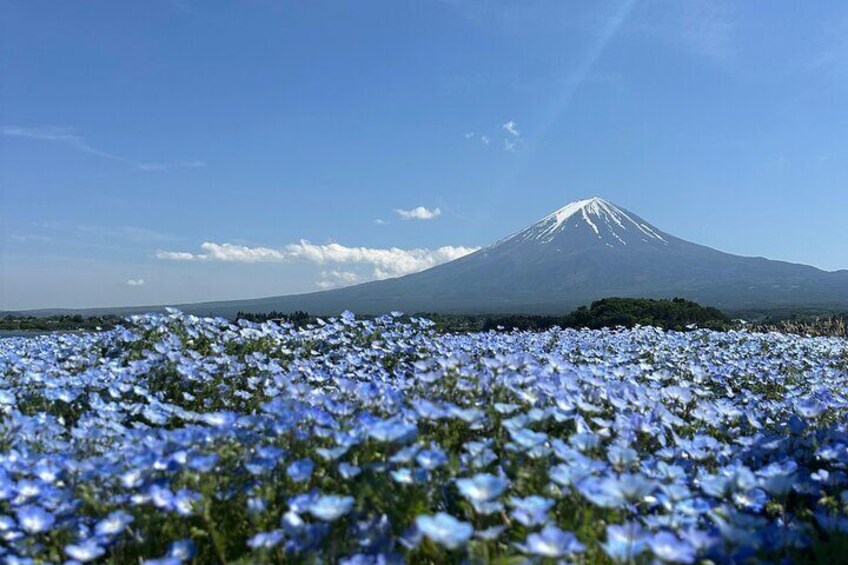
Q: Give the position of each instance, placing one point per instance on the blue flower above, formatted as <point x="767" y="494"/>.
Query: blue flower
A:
<point x="622" y="457"/>
<point x="256" y="505"/>
<point x="553" y="543"/>
<point x="184" y="502"/>
<point x="624" y="542"/>
<point x="113" y="524"/>
<point x="666" y="547"/>
<point x="348" y="471"/>
<point x="300" y="471"/>
<point x="405" y="455"/>
<point x="482" y="487"/>
<point x="445" y="530"/>
<point x="34" y="519"/>
<point x="266" y="540"/>
<point x="490" y="534"/>
<point x="778" y="478"/>
<point x="220" y="419"/>
<point x="615" y="492"/>
<point x="810" y="407"/>
<point x="331" y="507"/>
<point x="526" y="438"/>
<point x="86" y="551"/>
<point x="183" y="550"/>
<point x="430" y="459"/>
<point x="532" y="510"/>
<point x="393" y="431"/>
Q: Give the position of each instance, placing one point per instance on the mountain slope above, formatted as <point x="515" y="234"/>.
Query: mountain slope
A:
<point x="588" y="249"/>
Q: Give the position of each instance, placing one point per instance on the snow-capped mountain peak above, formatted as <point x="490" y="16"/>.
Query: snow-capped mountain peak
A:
<point x="586" y="250"/>
<point x="607" y="223"/>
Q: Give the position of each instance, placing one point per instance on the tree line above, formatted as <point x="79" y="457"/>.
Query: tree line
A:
<point x="670" y="314"/>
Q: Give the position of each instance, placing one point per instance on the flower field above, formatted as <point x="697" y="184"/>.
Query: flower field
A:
<point x="177" y="439"/>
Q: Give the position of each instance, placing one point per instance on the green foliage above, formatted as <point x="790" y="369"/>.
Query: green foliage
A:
<point x="298" y="318"/>
<point x="674" y="314"/>
<point x="76" y="322"/>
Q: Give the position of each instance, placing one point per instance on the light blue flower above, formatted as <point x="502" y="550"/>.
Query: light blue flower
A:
<point x="624" y="542"/>
<point x="183" y="549"/>
<point x="348" y="471"/>
<point x="331" y="507"/>
<point x="431" y="459"/>
<point x="553" y="543"/>
<point x="778" y="478"/>
<point x="300" y="471"/>
<point x="266" y="540"/>
<point x="85" y="551"/>
<point x="445" y="530"/>
<point x="113" y="524"/>
<point x="532" y="510"/>
<point x="667" y="548"/>
<point x="482" y="487"/>
<point x="34" y="519"/>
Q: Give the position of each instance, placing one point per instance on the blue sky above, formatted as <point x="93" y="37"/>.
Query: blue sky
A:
<point x="176" y="151"/>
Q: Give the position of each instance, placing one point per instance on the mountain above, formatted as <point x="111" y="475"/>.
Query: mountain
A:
<point x="588" y="249"/>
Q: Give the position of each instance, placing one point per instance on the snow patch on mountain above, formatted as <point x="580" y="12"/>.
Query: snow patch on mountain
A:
<point x="612" y="225"/>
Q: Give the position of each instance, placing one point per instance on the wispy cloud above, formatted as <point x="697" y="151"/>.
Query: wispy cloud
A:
<point x="484" y="139"/>
<point x="135" y="282"/>
<point x="180" y="256"/>
<point x="384" y="262"/>
<point x="511" y="128"/>
<point x="335" y="279"/>
<point x="77" y="142"/>
<point x="419" y="213"/>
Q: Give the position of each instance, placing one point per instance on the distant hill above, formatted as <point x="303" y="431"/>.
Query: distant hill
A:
<point x="587" y="250"/>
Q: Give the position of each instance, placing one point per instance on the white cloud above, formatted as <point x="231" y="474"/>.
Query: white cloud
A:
<point x="511" y="128"/>
<point x="379" y="222"/>
<point x="482" y="138"/>
<point x="135" y="282"/>
<point x="343" y="276"/>
<point x="419" y="213"/>
<point x="178" y="256"/>
<point x="333" y="279"/>
<point x="384" y="262"/>
<point x="78" y="142"/>
<point x="46" y="133"/>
